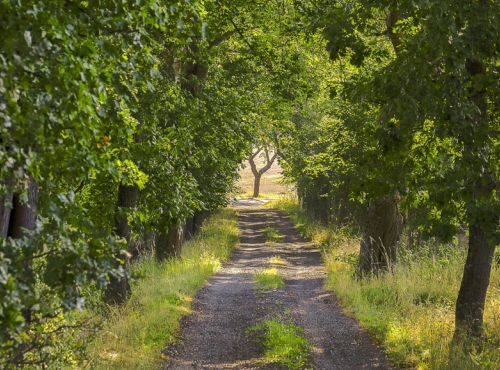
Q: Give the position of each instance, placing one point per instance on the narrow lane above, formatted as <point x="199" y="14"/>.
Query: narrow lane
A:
<point x="213" y="336"/>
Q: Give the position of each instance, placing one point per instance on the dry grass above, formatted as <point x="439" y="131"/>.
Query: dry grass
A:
<point x="269" y="186"/>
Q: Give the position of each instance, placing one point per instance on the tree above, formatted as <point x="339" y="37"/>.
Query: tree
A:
<point x="258" y="173"/>
<point x="437" y="145"/>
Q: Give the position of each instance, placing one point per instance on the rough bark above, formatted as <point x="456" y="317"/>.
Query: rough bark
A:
<point x="118" y="288"/>
<point x="390" y="21"/>
<point x="17" y="216"/>
<point x="169" y="242"/>
<point x="379" y="245"/>
<point x="469" y="309"/>
<point x="23" y="215"/>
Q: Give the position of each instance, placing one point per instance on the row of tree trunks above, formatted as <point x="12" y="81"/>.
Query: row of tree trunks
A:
<point x="168" y="243"/>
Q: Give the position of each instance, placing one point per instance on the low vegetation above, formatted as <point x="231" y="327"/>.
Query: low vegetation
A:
<point x="277" y="260"/>
<point x="269" y="279"/>
<point x="411" y="310"/>
<point x="134" y="334"/>
<point x="284" y="342"/>
<point x="273" y="235"/>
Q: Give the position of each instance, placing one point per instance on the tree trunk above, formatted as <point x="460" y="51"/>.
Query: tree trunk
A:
<point x="119" y="287"/>
<point x="169" y="243"/>
<point x="469" y="309"/>
<point x="24" y="214"/>
<point x="6" y="205"/>
<point x="15" y="220"/>
<point x="199" y="219"/>
<point x="189" y="228"/>
<point x="16" y="216"/>
<point x="384" y="226"/>
<point x="256" y="186"/>
<point x="476" y="278"/>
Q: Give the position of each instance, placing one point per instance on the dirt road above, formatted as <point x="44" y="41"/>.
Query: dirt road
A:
<point x="213" y="336"/>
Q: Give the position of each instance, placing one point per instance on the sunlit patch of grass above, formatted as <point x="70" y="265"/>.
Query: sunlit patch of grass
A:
<point x="273" y="235"/>
<point x="411" y="310"/>
<point x="277" y="260"/>
<point x="134" y="334"/>
<point x="269" y="279"/>
<point x="285" y="342"/>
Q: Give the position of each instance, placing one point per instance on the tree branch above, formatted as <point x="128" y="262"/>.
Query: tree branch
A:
<point x="243" y="37"/>
<point x="253" y="167"/>
<point x="221" y="38"/>
<point x="268" y="165"/>
<point x="255" y="154"/>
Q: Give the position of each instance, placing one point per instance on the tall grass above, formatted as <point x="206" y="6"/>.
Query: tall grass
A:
<point x="410" y="310"/>
<point x="134" y="335"/>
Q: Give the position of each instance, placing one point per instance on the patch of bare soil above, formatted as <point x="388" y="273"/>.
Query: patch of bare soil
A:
<point x="213" y="336"/>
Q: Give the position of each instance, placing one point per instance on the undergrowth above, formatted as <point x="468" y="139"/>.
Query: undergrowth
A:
<point x="134" y="335"/>
<point x="284" y="342"/>
<point x="411" y="310"/>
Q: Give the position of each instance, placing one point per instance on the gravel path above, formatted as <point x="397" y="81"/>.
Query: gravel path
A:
<point x="213" y="336"/>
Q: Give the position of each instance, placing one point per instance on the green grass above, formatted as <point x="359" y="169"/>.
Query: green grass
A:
<point x="284" y="343"/>
<point x="134" y="335"/>
<point x="269" y="279"/>
<point x="277" y="260"/>
<point x="411" y="310"/>
<point x="273" y="235"/>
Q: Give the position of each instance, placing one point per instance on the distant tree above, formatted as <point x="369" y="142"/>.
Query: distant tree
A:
<point x="265" y="151"/>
